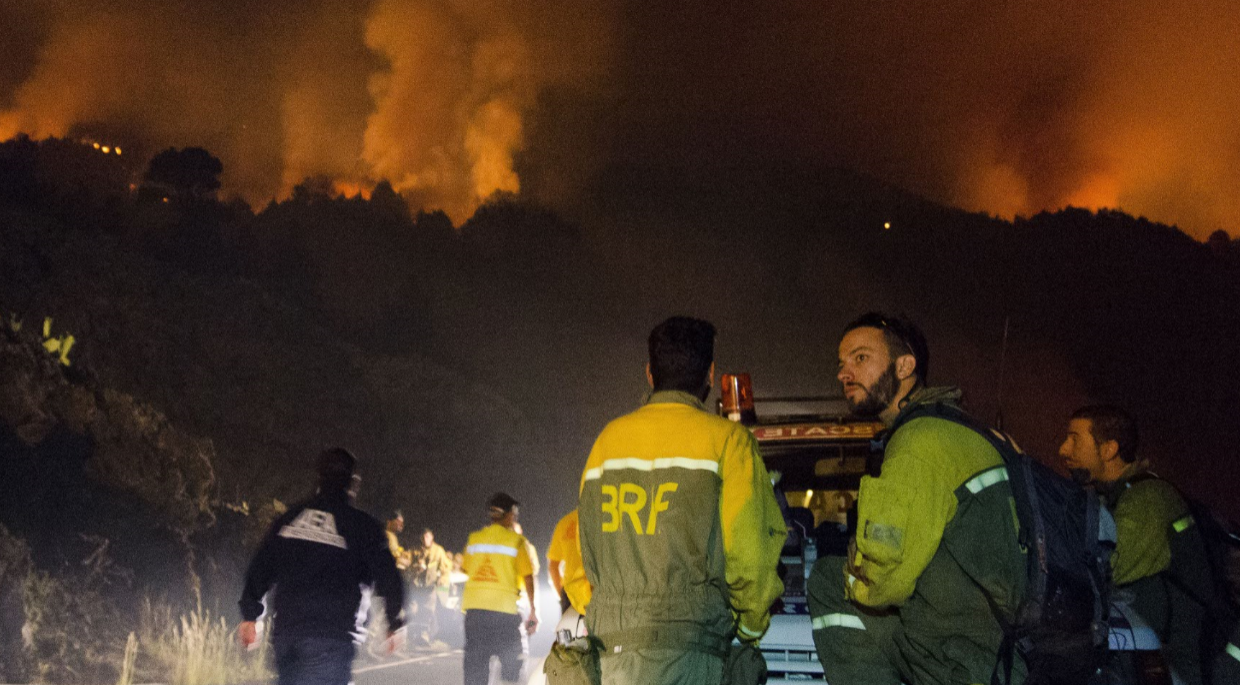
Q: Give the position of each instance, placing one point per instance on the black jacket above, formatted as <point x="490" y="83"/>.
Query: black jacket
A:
<point x="317" y="557"/>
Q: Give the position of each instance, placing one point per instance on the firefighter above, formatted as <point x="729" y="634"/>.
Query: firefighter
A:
<point x="1160" y="566"/>
<point x="497" y="558"/>
<point x="564" y="567"/>
<point x="679" y="527"/>
<point x="938" y="524"/>
<point x="430" y="571"/>
<point x="396" y="526"/>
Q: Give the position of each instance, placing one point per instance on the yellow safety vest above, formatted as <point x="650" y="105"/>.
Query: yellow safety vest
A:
<point x="496" y="561"/>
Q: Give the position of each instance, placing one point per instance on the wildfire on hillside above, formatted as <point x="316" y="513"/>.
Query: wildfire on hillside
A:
<point x="1008" y="109"/>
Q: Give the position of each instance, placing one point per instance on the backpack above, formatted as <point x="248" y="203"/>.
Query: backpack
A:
<point x="1061" y="625"/>
<point x="1205" y="560"/>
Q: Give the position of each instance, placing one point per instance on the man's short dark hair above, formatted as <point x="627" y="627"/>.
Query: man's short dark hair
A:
<point x="681" y="352"/>
<point x="335" y="468"/>
<point x="1109" y="422"/>
<point x="902" y="337"/>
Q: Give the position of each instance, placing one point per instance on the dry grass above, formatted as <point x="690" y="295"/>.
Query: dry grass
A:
<point x="71" y="631"/>
<point x="196" y="649"/>
<point x="131" y="656"/>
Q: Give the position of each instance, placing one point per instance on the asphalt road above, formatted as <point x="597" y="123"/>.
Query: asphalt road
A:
<point x="415" y="669"/>
<point x="422" y="666"/>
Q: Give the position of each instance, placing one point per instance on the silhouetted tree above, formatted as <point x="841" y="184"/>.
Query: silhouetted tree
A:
<point x="1220" y="242"/>
<point x="188" y="174"/>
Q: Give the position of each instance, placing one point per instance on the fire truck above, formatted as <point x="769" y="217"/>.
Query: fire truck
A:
<point x="816" y="455"/>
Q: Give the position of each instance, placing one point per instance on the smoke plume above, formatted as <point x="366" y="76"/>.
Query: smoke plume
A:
<point x="1006" y="108"/>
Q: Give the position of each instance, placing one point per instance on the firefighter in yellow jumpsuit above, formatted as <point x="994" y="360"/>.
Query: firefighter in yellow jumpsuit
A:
<point x="497" y="558"/>
<point x="680" y="530"/>
<point x="568" y="575"/>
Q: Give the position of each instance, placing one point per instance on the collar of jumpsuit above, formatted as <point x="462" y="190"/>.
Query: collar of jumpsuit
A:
<point x="674" y="397"/>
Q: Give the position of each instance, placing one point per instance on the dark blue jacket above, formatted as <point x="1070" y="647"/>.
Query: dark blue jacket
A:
<point x="317" y="557"/>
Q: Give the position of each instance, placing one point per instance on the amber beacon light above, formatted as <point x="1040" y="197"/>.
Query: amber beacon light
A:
<point x="737" y="391"/>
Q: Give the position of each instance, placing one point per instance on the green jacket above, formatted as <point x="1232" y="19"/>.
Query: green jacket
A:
<point x="1146" y="511"/>
<point x="1161" y="565"/>
<point x="679" y="527"/>
<point x="934" y="529"/>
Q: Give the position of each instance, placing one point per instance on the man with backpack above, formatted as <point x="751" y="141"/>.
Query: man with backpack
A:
<point x="934" y="570"/>
<point x="1161" y="565"/>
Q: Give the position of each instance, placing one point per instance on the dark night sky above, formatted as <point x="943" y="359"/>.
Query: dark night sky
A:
<point x="1007" y="108"/>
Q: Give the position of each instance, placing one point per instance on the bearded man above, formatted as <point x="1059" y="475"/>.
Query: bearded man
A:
<point x="935" y="527"/>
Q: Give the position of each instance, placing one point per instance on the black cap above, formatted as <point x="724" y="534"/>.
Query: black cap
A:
<point x="335" y="467"/>
<point x="502" y="501"/>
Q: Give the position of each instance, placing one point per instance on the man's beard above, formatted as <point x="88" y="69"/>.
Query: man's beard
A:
<point x="879" y="395"/>
<point x="1081" y="476"/>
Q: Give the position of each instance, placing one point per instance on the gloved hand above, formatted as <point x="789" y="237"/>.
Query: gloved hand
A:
<point x="852" y="569"/>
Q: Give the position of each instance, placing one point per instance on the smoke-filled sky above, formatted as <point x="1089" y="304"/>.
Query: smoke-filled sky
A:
<point x="1007" y="108"/>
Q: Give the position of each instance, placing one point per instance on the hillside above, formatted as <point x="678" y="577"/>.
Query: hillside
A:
<point x="218" y="348"/>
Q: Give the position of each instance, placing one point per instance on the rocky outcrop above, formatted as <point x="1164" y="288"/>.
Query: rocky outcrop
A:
<point x="136" y="450"/>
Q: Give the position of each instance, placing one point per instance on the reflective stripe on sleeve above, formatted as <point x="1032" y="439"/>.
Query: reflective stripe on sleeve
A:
<point x="747" y="632"/>
<point x="1183" y="524"/>
<point x="491" y="549"/>
<point x="652" y="465"/>
<point x="986" y="479"/>
<point x="1234" y="651"/>
<point x="838" y="620"/>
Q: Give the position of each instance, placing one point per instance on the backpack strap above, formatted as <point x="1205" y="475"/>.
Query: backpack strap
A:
<point x="1011" y="643"/>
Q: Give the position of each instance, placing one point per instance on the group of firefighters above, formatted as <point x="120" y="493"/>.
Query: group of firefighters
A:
<point x="428" y="568"/>
<point x="672" y="554"/>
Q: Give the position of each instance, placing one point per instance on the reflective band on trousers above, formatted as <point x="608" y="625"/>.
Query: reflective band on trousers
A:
<point x="1234" y="651"/>
<point x="986" y="479"/>
<point x="652" y="465"/>
<point x="491" y="549"/>
<point x="1183" y="524"/>
<point x="838" y="620"/>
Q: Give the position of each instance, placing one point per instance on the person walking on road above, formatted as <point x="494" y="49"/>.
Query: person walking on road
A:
<point x="568" y="576"/>
<point x="315" y="560"/>
<point x="497" y="560"/>
<point x="430" y="573"/>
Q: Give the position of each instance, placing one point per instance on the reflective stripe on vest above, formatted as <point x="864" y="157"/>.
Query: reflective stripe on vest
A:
<point x="838" y="620"/>
<point x="1234" y="651"/>
<point x="652" y="465"/>
<point x="986" y="479"/>
<point x="1183" y="524"/>
<point x="492" y="549"/>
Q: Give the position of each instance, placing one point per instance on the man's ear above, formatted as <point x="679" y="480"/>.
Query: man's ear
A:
<point x="710" y="378"/>
<point x="649" y="376"/>
<point x="906" y="364"/>
<point x="1108" y="450"/>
